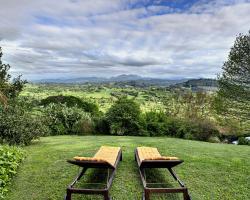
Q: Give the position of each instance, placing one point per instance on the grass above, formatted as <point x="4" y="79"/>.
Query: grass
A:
<point x="211" y="171"/>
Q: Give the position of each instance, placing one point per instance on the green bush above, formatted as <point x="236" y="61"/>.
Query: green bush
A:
<point x="214" y="139"/>
<point x="10" y="158"/>
<point x="203" y="129"/>
<point x="156" y="123"/>
<point x="124" y="118"/>
<point x="71" y="101"/>
<point x="19" y="127"/>
<point x="84" y="126"/>
<point x="159" y="124"/>
<point x="243" y="141"/>
<point x="63" y="120"/>
<point x="101" y="125"/>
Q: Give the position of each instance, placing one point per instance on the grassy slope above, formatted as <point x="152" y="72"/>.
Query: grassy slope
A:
<point x="211" y="171"/>
<point x="101" y="97"/>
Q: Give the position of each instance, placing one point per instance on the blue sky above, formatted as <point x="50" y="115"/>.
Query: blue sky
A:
<point x="160" y="38"/>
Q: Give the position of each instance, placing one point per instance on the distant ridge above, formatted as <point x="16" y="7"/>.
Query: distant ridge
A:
<point x="119" y="78"/>
<point x="201" y="82"/>
<point x="135" y="80"/>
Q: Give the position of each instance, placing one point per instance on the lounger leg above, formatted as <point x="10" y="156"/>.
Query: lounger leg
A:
<point x="121" y="157"/>
<point x="146" y="194"/>
<point x="106" y="196"/>
<point x="186" y="195"/>
<point x="176" y="177"/>
<point x="68" y="196"/>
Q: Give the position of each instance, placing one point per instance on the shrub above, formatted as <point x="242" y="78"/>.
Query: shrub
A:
<point x="101" y="125"/>
<point x="159" y="124"/>
<point x="71" y="101"/>
<point x="61" y="119"/>
<point x="214" y="139"/>
<point x="156" y="123"/>
<point x="10" y="158"/>
<point x="84" y="126"/>
<point x="243" y="141"/>
<point x="19" y="127"/>
<point x="124" y="117"/>
<point x="185" y="129"/>
<point x="203" y="129"/>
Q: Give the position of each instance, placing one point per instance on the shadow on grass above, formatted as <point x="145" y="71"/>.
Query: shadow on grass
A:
<point x="161" y="178"/>
<point x="93" y="179"/>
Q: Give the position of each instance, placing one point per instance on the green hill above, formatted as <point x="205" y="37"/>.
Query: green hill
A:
<point x="202" y="84"/>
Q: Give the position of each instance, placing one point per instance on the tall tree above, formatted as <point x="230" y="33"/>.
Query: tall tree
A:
<point x="234" y="82"/>
<point x="8" y="88"/>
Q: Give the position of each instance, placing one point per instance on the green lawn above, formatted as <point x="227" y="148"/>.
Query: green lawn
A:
<point x="210" y="171"/>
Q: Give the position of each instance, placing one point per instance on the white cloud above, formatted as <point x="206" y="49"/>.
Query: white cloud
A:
<point x="84" y="38"/>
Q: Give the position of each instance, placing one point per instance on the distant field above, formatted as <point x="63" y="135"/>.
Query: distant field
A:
<point x="211" y="171"/>
<point x="149" y="98"/>
<point x="98" y="94"/>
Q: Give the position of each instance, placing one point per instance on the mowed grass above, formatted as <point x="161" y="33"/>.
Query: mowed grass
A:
<point x="210" y="171"/>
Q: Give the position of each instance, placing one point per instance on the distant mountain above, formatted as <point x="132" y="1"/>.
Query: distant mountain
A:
<point x="126" y="77"/>
<point x="204" y="84"/>
<point x="129" y="79"/>
<point x="199" y="82"/>
<point x="149" y="82"/>
<point x="120" y="78"/>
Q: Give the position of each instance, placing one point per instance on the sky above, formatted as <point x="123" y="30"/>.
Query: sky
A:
<point x="46" y="39"/>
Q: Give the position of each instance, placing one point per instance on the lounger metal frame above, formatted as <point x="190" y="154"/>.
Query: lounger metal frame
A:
<point x="93" y="164"/>
<point x="168" y="164"/>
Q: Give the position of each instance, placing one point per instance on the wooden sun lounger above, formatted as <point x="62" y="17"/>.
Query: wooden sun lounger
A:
<point x="159" y="162"/>
<point x="105" y="158"/>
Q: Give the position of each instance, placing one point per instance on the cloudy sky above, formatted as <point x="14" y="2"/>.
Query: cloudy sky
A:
<point x="156" y="38"/>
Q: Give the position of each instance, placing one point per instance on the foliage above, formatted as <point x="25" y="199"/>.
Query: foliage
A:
<point x="201" y="129"/>
<point x="3" y="100"/>
<point x="101" y="125"/>
<point x="9" y="89"/>
<point x="243" y="141"/>
<point x="180" y="105"/>
<point x="17" y="126"/>
<point x="234" y="82"/>
<point x="84" y="126"/>
<point x="71" y="101"/>
<point x="159" y="124"/>
<point x="10" y="158"/>
<point x="61" y="119"/>
<point x="187" y="104"/>
<point x="156" y="123"/>
<point x="124" y="117"/>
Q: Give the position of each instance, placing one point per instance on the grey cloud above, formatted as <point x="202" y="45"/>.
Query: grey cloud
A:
<point x="96" y="38"/>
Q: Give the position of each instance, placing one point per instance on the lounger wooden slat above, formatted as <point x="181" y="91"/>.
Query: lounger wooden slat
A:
<point x="111" y="165"/>
<point x="160" y="163"/>
<point x="90" y="164"/>
<point x="149" y="162"/>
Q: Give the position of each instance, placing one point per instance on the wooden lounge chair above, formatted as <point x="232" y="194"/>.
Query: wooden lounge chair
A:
<point x="107" y="158"/>
<point x="148" y="157"/>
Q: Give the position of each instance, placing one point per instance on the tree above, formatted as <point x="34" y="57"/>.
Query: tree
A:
<point x="7" y="88"/>
<point x="72" y="101"/>
<point x="124" y="117"/>
<point x="234" y="82"/>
